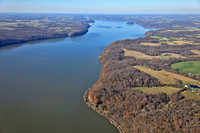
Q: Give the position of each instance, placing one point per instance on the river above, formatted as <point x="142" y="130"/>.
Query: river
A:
<point x="42" y="83"/>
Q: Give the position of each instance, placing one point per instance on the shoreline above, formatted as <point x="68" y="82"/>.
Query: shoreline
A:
<point x="89" y="104"/>
<point x="22" y="42"/>
<point x="114" y="50"/>
<point x="111" y="120"/>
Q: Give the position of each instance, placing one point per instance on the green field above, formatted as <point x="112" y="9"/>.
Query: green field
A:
<point x="188" y="67"/>
<point x="172" y="39"/>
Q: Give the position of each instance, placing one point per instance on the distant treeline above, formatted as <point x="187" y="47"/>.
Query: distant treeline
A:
<point x="21" y="28"/>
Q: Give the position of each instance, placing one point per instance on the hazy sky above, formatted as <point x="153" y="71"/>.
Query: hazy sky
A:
<point x="101" y="6"/>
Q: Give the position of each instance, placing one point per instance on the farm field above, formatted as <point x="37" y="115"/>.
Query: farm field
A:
<point x="196" y="52"/>
<point x="170" y="41"/>
<point x="140" y="55"/>
<point x="167" y="77"/>
<point x="179" y="43"/>
<point x="154" y="90"/>
<point x="189" y="95"/>
<point x="188" y="67"/>
<point x="150" y="44"/>
<point x="182" y="29"/>
<point x="168" y="90"/>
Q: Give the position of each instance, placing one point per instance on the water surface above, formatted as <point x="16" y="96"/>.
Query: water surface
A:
<point x="42" y="83"/>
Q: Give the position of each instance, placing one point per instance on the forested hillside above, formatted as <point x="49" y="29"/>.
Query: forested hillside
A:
<point x="130" y="67"/>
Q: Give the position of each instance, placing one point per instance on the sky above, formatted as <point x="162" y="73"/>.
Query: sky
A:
<point x="102" y="6"/>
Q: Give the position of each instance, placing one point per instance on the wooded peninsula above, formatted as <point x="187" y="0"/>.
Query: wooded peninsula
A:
<point x="151" y="84"/>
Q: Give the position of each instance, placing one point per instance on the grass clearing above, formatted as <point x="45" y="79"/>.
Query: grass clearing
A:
<point x="158" y="37"/>
<point x="184" y="79"/>
<point x="180" y="30"/>
<point x="164" y="78"/>
<point x="172" y="38"/>
<point x="150" y="44"/>
<point x="188" y="67"/>
<point x="140" y="55"/>
<point x="189" y="95"/>
<point x="172" y="55"/>
<point x="179" y="43"/>
<point x="167" y="77"/>
<point x="198" y="36"/>
<point x="136" y="54"/>
<point x="175" y="31"/>
<point x="6" y="28"/>
<point x="196" y="52"/>
<point x="154" y="90"/>
<point x="169" y="91"/>
<point x="170" y="41"/>
<point x="68" y="28"/>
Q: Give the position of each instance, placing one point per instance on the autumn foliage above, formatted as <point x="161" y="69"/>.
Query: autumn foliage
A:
<point x="136" y="111"/>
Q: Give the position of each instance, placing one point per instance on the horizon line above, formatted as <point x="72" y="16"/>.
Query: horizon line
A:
<point x="101" y="13"/>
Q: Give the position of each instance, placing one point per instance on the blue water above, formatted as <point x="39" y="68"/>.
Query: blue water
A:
<point x="195" y="86"/>
<point x="43" y="83"/>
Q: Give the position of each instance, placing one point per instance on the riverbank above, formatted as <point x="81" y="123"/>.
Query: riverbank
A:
<point x="5" y="43"/>
<point x="138" y="111"/>
<point x="92" y="106"/>
<point x="88" y="101"/>
<point x="50" y="76"/>
<point x="23" y="28"/>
